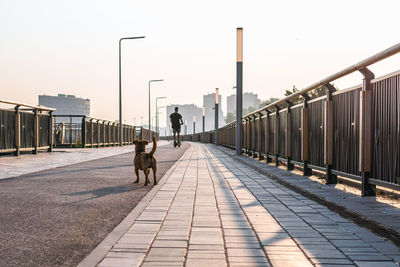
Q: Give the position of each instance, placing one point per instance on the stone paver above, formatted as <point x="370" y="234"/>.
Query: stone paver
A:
<point x="215" y="211"/>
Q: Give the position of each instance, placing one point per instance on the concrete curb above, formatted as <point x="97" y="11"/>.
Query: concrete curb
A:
<point x="112" y="238"/>
<point x="357" y="218"/>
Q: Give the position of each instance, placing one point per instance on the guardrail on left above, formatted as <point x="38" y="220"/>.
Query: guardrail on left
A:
<point x="25" y="127"/>
<point x="85" y="131"/>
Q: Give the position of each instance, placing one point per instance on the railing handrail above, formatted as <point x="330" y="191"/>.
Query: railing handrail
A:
<point x="356" y="67"/>
<point x="27" y="105"/>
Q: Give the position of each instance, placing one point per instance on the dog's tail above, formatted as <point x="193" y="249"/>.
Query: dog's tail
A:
<point x="153" y="150"/>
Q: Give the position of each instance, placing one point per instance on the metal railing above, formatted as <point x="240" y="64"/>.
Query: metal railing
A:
<point x="352" y="133"/>
<point x="25" y="127"/>
<point x="84" y="131"/>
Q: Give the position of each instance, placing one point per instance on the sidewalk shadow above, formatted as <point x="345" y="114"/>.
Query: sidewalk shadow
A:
<point x="57" y="171"/>
<point x="101" y="192"/>
<point x="273" y="239"/>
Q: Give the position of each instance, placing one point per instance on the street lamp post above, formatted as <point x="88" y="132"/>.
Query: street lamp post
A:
<point x="204" y="121"/>
<point x="120" y="97"/>
<point x="239" y="90"/>
<point x="160" y="97"/>
<point x="158" y="119"/>
<point x="194" y="123"/>
<point x="216" y="115"/>
<point x="151" y="81"/>
<point x="204" y="118"/>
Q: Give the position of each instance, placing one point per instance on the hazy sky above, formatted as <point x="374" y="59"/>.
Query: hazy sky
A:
<point x="50" y="47"/>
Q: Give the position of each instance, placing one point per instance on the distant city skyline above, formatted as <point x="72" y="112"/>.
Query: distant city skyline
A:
<point x="71" y="46"/>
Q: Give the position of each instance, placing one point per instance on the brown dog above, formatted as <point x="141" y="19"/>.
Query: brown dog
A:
<point x="144" y="161"/>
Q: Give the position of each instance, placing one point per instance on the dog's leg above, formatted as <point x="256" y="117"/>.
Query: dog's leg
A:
<point x="154" y="168"/>
<point x="146" y="174"/>
<point x="137" y="175"/>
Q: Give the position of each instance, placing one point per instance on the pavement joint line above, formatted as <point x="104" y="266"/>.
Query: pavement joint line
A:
<point x="162" y="223"/>
<point x="97" y="254"/>
<point x="284" y="228"/>
<point x="219" y="211"/>
<point x="353" y="216"/>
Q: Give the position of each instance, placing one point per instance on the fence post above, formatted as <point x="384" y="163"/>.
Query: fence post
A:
<point x="17" y="130"/>
<point x="254" y="130"/>
<point x="304" y="136"/>
<point x="109" y="133"/>
<point x="276" y="135"/>
<point x="51" y="136"/>
<point x="104" y="134"/>
<point x="83" y="131"/>
<point x="91" y="133"/>
<point x="267" y="137"/>
<point x="288" y="137"/>
<point x="260" y="156"/>
<point x="365" y="149"/>
<point x="248" y="137"/>
<point x="328" y="135"/>
<point x="98" y="134"/>
<point x="35" y="131"/>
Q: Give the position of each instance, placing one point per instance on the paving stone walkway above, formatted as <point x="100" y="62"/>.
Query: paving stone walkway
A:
<point x="215" y="211"/>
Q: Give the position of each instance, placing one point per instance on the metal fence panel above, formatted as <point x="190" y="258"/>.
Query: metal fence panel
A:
<point x="346" y="127"/>
<point x="43" y="130"/>
<point x="386" y="125"/>
<point x="27" y="129"/>
<point x="282" y="133"/>
<point x="7" y="129"/>
<point x="316" y="133"/>
<point x="295" y="135"/>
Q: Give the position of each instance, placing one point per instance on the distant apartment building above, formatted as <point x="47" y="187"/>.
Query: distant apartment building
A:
<point x="209" y="105"/>
<point x="187" y="111"/>
<point x="66" y="105"/>
<point x="249" y="100"/>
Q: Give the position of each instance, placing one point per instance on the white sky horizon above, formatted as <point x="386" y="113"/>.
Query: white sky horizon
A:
<point x="71" y="47"/>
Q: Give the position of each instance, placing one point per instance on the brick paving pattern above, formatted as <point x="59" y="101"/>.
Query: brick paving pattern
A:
<point x="215" y="211"/>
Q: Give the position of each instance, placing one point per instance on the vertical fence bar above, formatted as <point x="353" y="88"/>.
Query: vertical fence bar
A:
<point x="366" y="139"/>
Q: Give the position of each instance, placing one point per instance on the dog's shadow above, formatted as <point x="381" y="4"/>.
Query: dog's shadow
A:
<point x="102" y="192"/>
